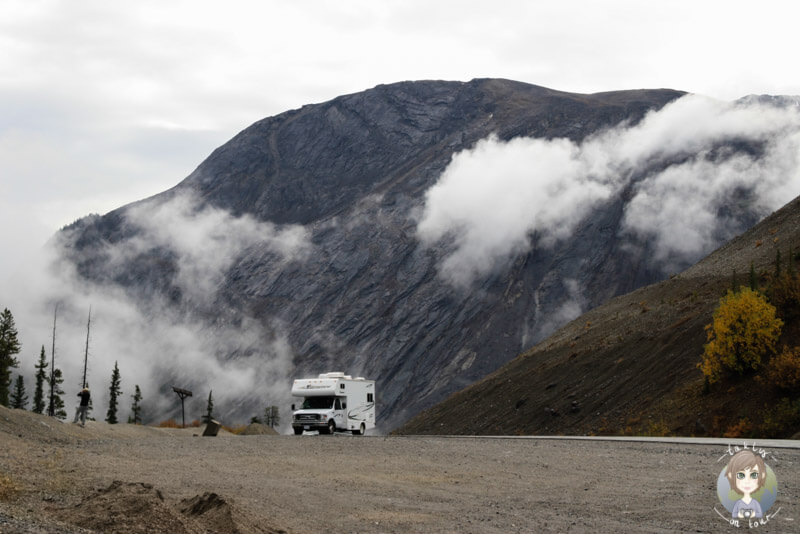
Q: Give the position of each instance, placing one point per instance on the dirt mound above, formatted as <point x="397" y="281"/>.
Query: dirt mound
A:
<point x="216" y="514"/>
<point x="128" y="507"/>
<point x="42" y="488"/>
<point x="132" y="507"/>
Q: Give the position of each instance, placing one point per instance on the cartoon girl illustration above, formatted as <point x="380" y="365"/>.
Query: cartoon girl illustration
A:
<point x="746" y="474"/>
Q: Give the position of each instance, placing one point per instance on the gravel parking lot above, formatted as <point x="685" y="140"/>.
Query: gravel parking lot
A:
<point x="140" y="479"/>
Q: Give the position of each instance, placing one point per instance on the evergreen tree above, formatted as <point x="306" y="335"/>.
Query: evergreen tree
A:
<point x="784" y="294"/>
<point x="41" y="376"/>
<point x="19" y="399"/>
<point x="113" y="392"/>
<point x="209" y="410"/>
<point x="58" y="402"/>
<point x="753" y="279"/>
<point x="136" y="409"/>
<point x="9" y="346"/>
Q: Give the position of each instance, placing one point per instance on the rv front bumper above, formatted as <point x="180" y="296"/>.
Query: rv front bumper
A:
<point x="311" y="426"/>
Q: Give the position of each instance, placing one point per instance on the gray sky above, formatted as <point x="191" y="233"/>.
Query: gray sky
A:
<point x="103" y="103"/>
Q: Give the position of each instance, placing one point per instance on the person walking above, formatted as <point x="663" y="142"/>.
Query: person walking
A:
<point x="84" y="406"/>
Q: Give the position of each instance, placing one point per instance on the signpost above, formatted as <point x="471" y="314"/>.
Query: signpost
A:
<point x="182" y="393"/>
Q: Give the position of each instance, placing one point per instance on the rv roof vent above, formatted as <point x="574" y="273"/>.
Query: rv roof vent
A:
<point x="360" y="378"/>
<point x="332" y="375"/>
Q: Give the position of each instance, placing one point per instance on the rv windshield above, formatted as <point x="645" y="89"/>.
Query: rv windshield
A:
<point x="318" y="403"/>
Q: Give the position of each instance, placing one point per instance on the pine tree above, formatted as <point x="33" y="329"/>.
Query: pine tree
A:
<point x="136" y="409"/>
<point x="113" y="392"/>
<point x="753" y="279"/>
<point x="9" y="346"/>
<point x="41" y="376"/>
<point x="58" y="402"/>
<point x="784" y="294"/>
<point x="19" y="399"/>
<point x="209" y="410"/>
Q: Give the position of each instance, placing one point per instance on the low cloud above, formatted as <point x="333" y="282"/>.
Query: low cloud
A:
<point x="500" y="199"/>
<point x="206" y="241"/>
<point x="246" y="361"/>
<point x="490" y="199"/>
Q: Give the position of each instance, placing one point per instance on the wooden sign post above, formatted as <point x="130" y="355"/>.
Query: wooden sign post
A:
<point x="182" y="393"/>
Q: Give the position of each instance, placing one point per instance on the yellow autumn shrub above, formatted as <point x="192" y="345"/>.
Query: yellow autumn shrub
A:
<point x="743" y="330"/>
<point x="783" y="369"/>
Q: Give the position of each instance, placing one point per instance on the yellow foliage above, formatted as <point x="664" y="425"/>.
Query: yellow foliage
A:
<point x="784" y="369"/>
<point x="744" y="329"/>
<point x="656" y="428"/>
<point x="742" y="429"/>
<point x="169" y="423"/>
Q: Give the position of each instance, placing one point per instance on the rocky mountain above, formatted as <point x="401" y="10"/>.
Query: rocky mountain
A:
<point x="309" y="225"/>
<point x="630" y="366"/>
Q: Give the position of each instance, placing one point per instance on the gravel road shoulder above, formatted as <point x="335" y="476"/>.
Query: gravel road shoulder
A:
<point x="139" y="479"/>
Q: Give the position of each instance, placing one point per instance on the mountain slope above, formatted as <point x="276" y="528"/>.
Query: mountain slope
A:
<point x="295" y="249"/>
<point x="629" y="365"/>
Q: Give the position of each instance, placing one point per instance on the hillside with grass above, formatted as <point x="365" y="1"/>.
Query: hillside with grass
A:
<point x="633" y="365"/>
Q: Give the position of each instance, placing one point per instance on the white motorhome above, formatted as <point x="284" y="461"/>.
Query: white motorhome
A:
<point x="334" y="402"/>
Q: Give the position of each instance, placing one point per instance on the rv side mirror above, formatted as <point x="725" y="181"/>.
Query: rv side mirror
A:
<point x="292" y="407"/>
<point x="344" y="405"/>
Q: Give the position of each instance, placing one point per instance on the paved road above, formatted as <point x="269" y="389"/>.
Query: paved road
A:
<point x="766" y="443"/>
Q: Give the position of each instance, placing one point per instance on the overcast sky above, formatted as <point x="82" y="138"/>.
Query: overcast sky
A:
<point x="106" y="102"/>
<point x="103" y="103"/>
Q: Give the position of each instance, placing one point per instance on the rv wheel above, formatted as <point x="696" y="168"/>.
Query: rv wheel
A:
<point x="331" y="427"/>
<point x="297" y="431"/>
<point x="361" y="430"/>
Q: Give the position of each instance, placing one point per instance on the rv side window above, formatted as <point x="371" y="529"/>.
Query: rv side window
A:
<point x="338" y="405"/>
<point x="369" y="397"/>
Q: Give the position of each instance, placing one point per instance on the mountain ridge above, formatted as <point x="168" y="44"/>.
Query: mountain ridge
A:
<point x="331" y="265"/>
